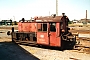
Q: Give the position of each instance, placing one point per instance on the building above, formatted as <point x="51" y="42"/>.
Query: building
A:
<point x="6" y="22"/>
<point x="75" y="21"/>
<point x="84" y="21"/>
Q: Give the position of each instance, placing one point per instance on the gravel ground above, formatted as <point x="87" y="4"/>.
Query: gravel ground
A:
<point x="41" y="53"/>
<point x="48" y="54"/>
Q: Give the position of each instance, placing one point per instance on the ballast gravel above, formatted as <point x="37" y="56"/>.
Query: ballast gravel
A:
<point x="49" y="54"/>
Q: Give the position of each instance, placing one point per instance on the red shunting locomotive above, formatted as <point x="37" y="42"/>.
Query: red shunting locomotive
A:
<point x="48" y="30"/>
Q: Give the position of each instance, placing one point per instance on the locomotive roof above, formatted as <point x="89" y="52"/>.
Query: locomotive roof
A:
<point x="49" y="19"/>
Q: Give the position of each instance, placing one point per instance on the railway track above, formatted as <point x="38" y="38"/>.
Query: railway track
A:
<point x="83" y="45"/>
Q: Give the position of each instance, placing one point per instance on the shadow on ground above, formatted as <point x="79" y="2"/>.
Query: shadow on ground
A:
<point x="12" y="51"/>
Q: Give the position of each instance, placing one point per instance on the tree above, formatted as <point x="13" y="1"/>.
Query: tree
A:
<point x="15" y="22"/>
<point x="70" y="22"/>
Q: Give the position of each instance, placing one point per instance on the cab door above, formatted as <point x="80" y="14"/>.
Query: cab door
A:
<point x="54" y="34"/>
<point x="42" y="33"/>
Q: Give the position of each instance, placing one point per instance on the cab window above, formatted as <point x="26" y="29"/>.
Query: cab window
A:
<point x="53" y="27"/>
<point x="42" y="27"/>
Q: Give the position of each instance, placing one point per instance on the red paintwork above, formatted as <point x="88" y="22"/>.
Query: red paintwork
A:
<point x="50" y="38"/>
<point x="39" y="25"/>
<point x="42" y="38"/>
<point x="19" y="26"/>
<point x="33" y="27"/>
<point x="55" y="37"/>
<point x="27" y="27"/>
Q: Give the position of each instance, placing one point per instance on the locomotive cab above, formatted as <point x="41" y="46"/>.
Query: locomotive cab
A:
<point x="54" y="31"/>
<point x="48" y="34"/>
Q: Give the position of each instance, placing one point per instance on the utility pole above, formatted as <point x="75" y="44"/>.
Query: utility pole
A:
<point x="14" y="18"/>
<point x="86" y="16"/>
<point x="49" y="13"/>
<point x="56" y="7"/>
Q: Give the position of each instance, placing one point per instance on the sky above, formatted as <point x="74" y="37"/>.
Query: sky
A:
<point x="18" y="9"/>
